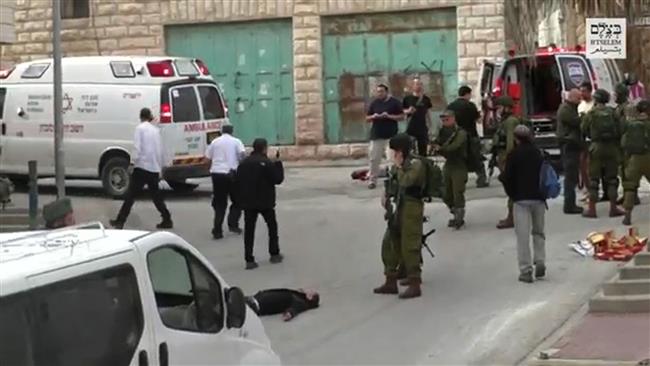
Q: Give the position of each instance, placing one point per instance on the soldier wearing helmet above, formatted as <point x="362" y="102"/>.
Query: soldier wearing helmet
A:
<point x="401" y="244"/>
<point x="624" y="111"/>
<point x="503" y="142"/>
<point x="636" y="144"/>
<point x="602" y="126"/>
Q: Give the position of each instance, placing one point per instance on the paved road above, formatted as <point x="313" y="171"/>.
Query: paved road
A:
<point x="473" y="309"/>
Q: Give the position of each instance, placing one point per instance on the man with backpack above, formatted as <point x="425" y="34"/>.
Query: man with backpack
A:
<point x="603" y="128"/>
<point x="521" y="180"/>
<point x="503" y="142"/>
<point x="402" y="239"/>
<point x="451" y="143"/>
<point x="636" y="144"/>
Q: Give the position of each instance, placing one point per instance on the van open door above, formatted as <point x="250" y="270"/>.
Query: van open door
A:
<point x="487" y="74"/>
<point x="573" y="71"/>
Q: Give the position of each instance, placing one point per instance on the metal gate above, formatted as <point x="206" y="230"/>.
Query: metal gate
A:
<point x="360" y="51"/>
<point x="253" y="64"/>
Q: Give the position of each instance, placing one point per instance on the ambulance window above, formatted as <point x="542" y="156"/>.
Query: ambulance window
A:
<point x="122" y="69"/>
<point x="34" y="71"/>
<point x="211" y="102"/>
<point x="3" y="92"/>
<point x="185" y="106"/>
<point x="574" y="72"/>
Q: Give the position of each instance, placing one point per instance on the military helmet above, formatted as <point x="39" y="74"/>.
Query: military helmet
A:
<point x="505" y="101"/>
<point x="601" y="96"/>
<point x="57" y="210"/>
<point x="621" y="89"/>
<point x="643" y="106"/>
<point x="401" y="142"/>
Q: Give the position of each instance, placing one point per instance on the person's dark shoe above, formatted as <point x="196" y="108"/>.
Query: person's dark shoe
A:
<point x="575" y="210"/>
<point x="506" y="223"/>
<point x="235" y="230"/>
<point x="614" y="211"/>
<point x="278" y="258"/>
<point x="540" y="270"/>
<point x="388" y="288"/>
<point x="217" y="236"/>
<point x="451" y="223"/>
<point x="413" y="289"/>
<point x="251" y="265"/>
<point x="590" y="212"/>
<point x="458" y="224"/>
<point x="526" y="277"/>
<point x="116" y="224"/>
<point x="165" y="224"/>
<point x="372" y="185"/>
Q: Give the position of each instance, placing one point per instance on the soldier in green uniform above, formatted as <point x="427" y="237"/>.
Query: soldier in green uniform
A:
<point x="503" y="142"/>
<point x="571" y="145"/>
<point x="602" y="127"/>
<point x="452" y="144"/>
<point x="636" y="144"/>
<point x="624" y="111"/>
<point x="402" y="240"/>
<point x="58" y="214"/>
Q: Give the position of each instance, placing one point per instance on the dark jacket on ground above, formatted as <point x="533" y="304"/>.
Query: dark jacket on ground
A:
<point x="279" y="301"/>
<point x="257" y="177"/>
<point x="521" y="176"/>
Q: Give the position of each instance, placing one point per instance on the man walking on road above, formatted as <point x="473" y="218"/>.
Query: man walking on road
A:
<point x="147" y="164"/>
<point x="224" y="153"/>
<point x="257" y="176"/>
<point x="571" y="145"/>
<point x="521" y="182"/>
<point x="384" y="113"/>
<point x="416" y="108"/>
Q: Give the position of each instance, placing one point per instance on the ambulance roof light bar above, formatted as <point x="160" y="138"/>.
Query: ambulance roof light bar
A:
<point x="163" y="68"/>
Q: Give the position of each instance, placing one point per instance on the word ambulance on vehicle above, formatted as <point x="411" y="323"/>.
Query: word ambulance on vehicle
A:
<point x="538" y="84"/>
<point x="102" y="98"/>
<point x="88" y="296"/>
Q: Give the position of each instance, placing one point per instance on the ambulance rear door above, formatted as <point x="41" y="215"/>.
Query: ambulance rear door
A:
<point x="573" y="71"/>
<point x="486" y="84"/>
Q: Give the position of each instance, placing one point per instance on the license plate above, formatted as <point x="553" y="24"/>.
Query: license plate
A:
<point x="213" y="135"/>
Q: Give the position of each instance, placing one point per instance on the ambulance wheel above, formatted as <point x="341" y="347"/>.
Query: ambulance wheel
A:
<point x="181" y="186"/>
<point x="115" y="177"/>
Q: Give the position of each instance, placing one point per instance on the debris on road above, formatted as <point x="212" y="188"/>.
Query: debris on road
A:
<point x="607" y="247"/>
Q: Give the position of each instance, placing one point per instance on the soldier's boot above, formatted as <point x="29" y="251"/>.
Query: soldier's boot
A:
<point x="401" y="272"/>
<point x="389" y="287"/>
<point x="627" y="220"/>
<point x="590" y="212"/>
<point x="413" y="289"/>
<point x="614" y="211"/>
<point x="508" y="222"/>
<point x="451" y="222"/>
<point x="459" y="218"/>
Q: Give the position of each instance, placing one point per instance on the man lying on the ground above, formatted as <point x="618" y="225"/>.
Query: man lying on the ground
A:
<point x="283" y="301"/>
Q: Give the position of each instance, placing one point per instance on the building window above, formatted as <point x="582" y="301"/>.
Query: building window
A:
<point x="71" y="9"/>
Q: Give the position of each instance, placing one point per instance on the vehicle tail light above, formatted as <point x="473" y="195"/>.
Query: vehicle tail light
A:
<point x="165" y="113"/>
<point x="5" y="73"/>
<point x="160" y="68"/>
<point x="204" y="69"/>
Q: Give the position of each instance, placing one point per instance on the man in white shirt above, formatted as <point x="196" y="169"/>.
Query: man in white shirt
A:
<point x="587" y="102"/>
<point x="224" y="153"/>
<point x="147" y="164"/>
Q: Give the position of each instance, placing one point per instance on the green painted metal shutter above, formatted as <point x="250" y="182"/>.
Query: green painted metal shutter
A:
<point x="360" y="51"/>
<point x="253" y="64"/>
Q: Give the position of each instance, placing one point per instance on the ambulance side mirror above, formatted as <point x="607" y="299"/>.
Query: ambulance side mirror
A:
<point x="236" y="307"/>
<point x="20" y="112"/>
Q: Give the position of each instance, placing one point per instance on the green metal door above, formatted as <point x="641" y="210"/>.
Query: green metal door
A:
<point x="361" y="51"/>
<point x="253" y="64"/>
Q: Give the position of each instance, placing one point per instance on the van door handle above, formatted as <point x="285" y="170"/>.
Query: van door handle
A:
<point x="143" y="359"/>
<point x="163" y="353"/>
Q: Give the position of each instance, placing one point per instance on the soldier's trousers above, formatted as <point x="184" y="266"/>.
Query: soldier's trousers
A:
<point x="401" y="243"/>
<point x="571" y="165"/>
<point x="455" y="180"/>
<point x="603" y="163"/>
<point x="638" y="166"/>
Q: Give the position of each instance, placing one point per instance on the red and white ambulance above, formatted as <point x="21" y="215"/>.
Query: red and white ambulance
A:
<point x="538" y="83"/>
<point x="102" y="97"/>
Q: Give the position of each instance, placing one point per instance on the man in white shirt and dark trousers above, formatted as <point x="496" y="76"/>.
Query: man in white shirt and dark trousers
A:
<point x="147" y="163"/>
<point x="225" y="152"/>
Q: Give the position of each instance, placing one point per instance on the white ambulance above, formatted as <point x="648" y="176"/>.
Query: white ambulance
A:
<point x="88" y="296"/>
<point x="102" y="98"/>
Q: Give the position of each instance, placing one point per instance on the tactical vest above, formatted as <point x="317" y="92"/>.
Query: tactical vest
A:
<point x="636" y="139"/>
<point x="604" y="128"/>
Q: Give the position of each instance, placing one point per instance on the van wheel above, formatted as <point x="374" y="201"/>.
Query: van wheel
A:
<point x="115" y="177"/>
<point x="181" y="186"/>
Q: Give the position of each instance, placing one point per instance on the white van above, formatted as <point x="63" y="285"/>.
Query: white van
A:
<point x="537" y="83"/>
<point x="102" y="98"/>
<point x="89" y="296"/>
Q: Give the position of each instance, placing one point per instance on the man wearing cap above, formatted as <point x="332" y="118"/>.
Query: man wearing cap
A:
<point x="503" y="142"/>
<point x="58" y="214"/>
<point x="383" y="113"/>
<point x="452" y="144"/>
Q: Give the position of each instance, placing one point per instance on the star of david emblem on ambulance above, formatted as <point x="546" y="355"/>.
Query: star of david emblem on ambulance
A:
<point x="67" y="103"/>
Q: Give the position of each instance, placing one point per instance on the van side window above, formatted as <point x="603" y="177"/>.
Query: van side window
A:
<point x="211" y="102"/>
<point x="187" y="295"/>
<point x="185" y="106"/>
<point x="94" y="319"/>
<point x="3" y="92"/>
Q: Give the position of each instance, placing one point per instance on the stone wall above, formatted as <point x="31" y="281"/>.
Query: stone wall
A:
<point x="136" y="27"/>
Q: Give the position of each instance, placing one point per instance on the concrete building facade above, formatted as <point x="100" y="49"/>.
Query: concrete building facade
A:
<point x="144" y="27"/>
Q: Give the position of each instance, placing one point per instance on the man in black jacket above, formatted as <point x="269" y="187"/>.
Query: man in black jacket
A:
<point x="283" y="301"/>
<point x="521" y="182"/>
<point x="257" y="177"/>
